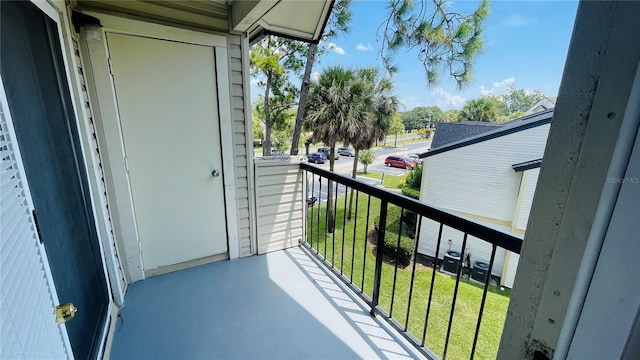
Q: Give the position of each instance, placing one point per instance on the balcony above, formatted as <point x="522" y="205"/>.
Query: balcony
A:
<point x="327" y="294"/>
<point x="282" y="305"/>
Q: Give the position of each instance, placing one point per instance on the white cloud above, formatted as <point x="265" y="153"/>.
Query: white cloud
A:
<point x="315" y="76"/>
<point x="518" y="20"/>
<point x="447" y="101"/>
<point x="336" y="49"/>
<point x="410" y="103"/>
<point x="363" y="47"/>
<point x="497" y="87"/>
<point x="255" y="81"/>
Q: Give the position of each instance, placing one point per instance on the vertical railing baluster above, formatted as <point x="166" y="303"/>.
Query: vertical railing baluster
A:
<point x="366" y="239"/>
<point x="413" y="270"/>
<point x="433" y="280"/>
<point x="455" y="297"/>
<point x="326" y="221"/>
<point x="313" y="190"/>
<point x="333" y="226"/>
<point x="353" y="243"/>
<point x="379" y="254"/>
<point x="344" y="227"/>
<point x="484" y="298"/>
<point x="395" y="271"/>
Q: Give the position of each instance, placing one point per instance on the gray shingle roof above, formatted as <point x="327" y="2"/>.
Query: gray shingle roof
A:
<point x="448" y="132"/>
<point x="523" y="123"/>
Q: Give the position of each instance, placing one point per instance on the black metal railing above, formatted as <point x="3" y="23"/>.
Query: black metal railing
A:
<point x="403" y="285"/>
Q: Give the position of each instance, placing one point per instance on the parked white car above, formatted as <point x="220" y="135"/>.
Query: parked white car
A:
<point x="344" y="151"/>
<point x="415" y="157"/>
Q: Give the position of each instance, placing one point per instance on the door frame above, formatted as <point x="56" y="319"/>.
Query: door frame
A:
<point x="108" y="128"/>
<point x="55" y="15"/>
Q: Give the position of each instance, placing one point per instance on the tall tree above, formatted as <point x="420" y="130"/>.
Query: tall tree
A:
<point x="516" y="100"/>
<point x="338" y="23"/>
<point x="483" y="109"/>
<point x="335" y="113"/>
<point x="446" y="41"/>
<point x="397" y="128"/>
<point x="421" y="117"/>
<point x="271" y="60"/>
<point x="450" y="115"/>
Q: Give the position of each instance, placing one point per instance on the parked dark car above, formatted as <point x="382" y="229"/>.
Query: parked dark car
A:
<point x="317" y="158"/>
<point x="327" y="151"/>
<point x="400" y="161"/>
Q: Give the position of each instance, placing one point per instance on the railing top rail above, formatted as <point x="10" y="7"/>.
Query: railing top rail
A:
<point x="501" y="238"/>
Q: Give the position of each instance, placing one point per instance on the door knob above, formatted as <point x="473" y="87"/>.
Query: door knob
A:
<point x="215" y="173"/>
<point x="64" y="312"/>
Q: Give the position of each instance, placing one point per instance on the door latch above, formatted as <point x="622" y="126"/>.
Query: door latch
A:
<point x="64" y="312"/>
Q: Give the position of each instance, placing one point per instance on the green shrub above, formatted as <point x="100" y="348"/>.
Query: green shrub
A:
<point x="414" y="178"/>
<point x="412" y="193"/>
<point x="403" y="254"/>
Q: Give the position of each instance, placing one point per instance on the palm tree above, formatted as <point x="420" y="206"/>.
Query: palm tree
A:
<point x="379" y="104"/>
<point x="483" y="109"/>
<point x="335" y="112"/>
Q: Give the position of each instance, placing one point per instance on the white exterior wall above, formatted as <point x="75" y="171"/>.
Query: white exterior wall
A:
<point x="242" y="139"/>
<point x="529" y="189"/>
<point x="478" y="179"/>
<point x="527" y="198"/>
<point x="480" y="250"/>
<point x="117" y="281"/>
<point x="279" y="204"/>
<point x="510" y="273"/>
<point x="27" y="297"/>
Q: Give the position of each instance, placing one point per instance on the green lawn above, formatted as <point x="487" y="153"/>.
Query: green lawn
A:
<point x="370" y="174"/>
<point x="392" y="181"/>
<point x="338" y="249"/>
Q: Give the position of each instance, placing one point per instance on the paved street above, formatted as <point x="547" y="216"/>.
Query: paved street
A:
<point x="344" y="164"/>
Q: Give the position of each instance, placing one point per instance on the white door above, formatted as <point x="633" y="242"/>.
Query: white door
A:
<point x="168" y="107"/>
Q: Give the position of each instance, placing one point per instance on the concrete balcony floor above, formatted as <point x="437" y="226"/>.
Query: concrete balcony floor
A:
<point x="282" y="305"/>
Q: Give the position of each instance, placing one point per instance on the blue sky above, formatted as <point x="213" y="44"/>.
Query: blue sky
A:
<point x="525" y="42"/>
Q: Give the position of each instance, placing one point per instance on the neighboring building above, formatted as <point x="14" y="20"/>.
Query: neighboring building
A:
<point x="546" y="103"/>
<point x="490" y="177"/>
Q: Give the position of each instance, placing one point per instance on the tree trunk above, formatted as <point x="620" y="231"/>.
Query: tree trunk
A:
<point x="266" y="145"/>
<point x="353" y="176"/>
<point x="395" y="142"/>
<point x="304" y="95"/>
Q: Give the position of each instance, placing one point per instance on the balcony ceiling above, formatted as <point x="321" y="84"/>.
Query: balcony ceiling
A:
<point x="299" y="19"/>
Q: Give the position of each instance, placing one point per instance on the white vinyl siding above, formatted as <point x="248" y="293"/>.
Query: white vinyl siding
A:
<point x="478" y="179"/>
<point x="279" y="203"/>
<point x="117" y="281"/>
<point x="27" y="328"/>
<point x="510" y="274"/>
<point x="241" y="158"/>
<point x="527" y="198"/>
<point x="480" y="250"/>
